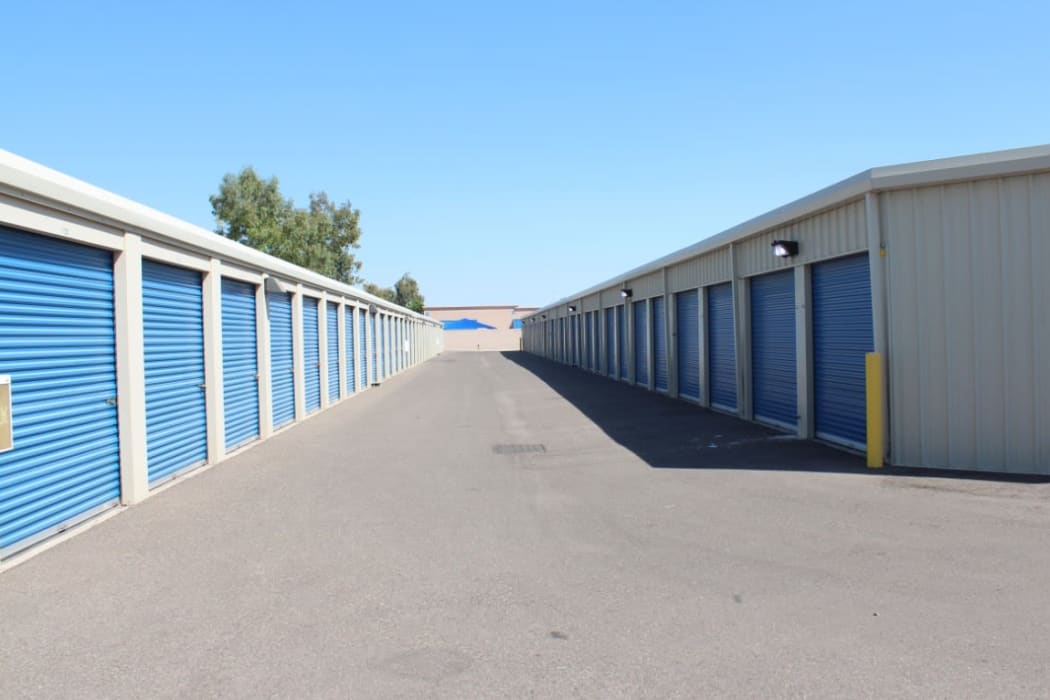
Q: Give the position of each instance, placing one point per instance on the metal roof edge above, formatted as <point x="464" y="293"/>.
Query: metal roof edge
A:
<point x="920" y="173"/>
<point x="843" y="191"/>
<point x="63" y="192"/>
<point x="960" y="168"/>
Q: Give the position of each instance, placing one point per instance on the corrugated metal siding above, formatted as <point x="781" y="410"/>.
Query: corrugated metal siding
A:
<point x="591" y="303"/>
<point x="660" y="344"/>
<point x="641" y="343"/>
<point x="282" y="362"/>
<point x="773" y="356"/>
<point x="721" y="349"/>
<point x="687" y="320"/>
<point x="830" y="234"/>
<point x="610" y="342"/>
<point x="649" y="285"/>
<point x="591" y="337"/>
<point x="574" y="340"/>
<point x="611" y="297"/>
<point x="383" y="340"/>
<point x="969" y="324"/>
<point x="621" y="338"/>
<point x="332" y="323"/>
<point x="374" y="348"/>
<point x="842" y="335"/>
<point x="57" y="343"/>
<point x="173" y="343"/>
<point x="311" y="354"/>
<point x="348" y="342"/>
<point x="716" y="266"/>
<point x="240" y="363"/>
<point x="362" y="352"/>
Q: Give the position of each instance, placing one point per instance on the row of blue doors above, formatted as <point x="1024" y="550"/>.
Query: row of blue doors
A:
<point x="841" y="336"/>
<point x="58" y="346"/>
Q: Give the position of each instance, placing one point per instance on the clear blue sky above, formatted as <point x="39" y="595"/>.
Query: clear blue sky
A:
<point x="514" y="153"/>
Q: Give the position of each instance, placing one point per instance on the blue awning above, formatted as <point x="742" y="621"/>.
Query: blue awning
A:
<point x="466" y="324"/>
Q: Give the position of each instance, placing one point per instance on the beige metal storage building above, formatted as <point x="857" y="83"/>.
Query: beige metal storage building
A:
<point x="939" y="267"/>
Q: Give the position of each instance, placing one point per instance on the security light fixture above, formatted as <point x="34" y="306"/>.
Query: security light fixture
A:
<point x="572" y="308"/>
<point x="785" y="249"/>
<point x="626" y="292"/>
<point x="272" y="284"/>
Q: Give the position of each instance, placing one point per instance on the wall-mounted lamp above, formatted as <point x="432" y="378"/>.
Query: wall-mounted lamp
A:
<point x="572" y="308"/>
<point x="544" y="315"/>
<point x="626" y="292"/>
<point x="785" y="249"/>
<point x="272" y="284"/>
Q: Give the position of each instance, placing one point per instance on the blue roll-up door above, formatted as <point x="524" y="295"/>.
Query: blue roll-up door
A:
<point x="687" y="326"/>
<point x="659" y="344"/>
<point x="282" y="358"/>
<point x="575" y="341"/>
<point x="842" y="335"/>
<point x="240" y="363"/>
<point x="590" y="340"/>
<point x="57" y="344"/>
<point x="173" y="345"/>
<point x="561" y="340"/>
<point x="363" y="350"/>
<point x="641" y="343"/>
<point x="374" y="327"/>
<point x="332" y="322"/>
<point x="351" y="359"/>
<point x="382" y="346"/>
<point x="721" y="346"/>
<point x="311" y="355"/>
<point x="610" y="342"/>
<point x="773" y="357"/>
<point x="621" y="339"/>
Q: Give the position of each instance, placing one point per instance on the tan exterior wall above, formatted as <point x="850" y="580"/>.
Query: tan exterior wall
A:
<point x="502" y="337"/>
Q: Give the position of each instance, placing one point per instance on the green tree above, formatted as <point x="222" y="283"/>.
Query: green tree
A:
<point x="321" y="237"/>
<point x="407" y="293"/>
<point x="381" y="292"/>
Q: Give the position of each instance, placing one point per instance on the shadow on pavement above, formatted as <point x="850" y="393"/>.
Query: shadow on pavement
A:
<point x="672" y="434"/>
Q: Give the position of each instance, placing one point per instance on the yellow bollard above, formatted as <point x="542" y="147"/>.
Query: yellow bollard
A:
<point x="873" y="392"/>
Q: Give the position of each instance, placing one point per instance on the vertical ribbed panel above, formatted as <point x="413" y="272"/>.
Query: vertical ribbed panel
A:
<point x="351" y="360"/>
<point x="842" y="335"/>
<point x="574" y="340"/>
<point x="687" y="322"/>
<point x="282" y="358"/>
<point x="660" y="344"/>
<point x="332" y="322"/>
<point x="173" y="339"/>
<point x="621" y="338"/>
<point x="57" y="343"/>
<point x="240" y="363"/>
<point x="641" y="343"/>
<point x="610" y="342"/>
<point x="721" y="346"/>
<point x="362" y="352"/>
<point x="773" y="357"/>
<point x="590" y="341"/>
<point x="311" y="355"/>
<point x="374" y="349"/>
<point x="381" y="349"/>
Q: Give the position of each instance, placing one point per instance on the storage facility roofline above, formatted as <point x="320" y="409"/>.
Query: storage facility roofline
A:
<point x="26" y="180"/>
<point x="929" y="172"/>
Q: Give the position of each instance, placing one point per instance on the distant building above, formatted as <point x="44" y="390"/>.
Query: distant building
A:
<point x="480" y="327"/>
